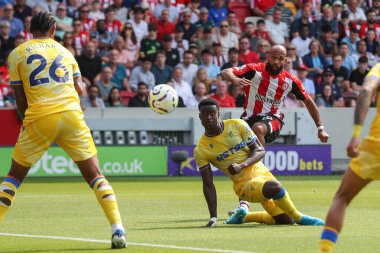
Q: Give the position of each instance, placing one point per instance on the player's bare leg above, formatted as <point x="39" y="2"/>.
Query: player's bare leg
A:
<point x="350" y="186"/>
<point x="9" y="186"/>
<point x="260" y="131"/>
<point x="106" y="198"/>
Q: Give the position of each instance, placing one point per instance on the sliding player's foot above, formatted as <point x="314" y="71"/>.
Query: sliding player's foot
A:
<point x="307" y="220"/>
<point x="119" y="240"/>
<point x="238" y="216"/>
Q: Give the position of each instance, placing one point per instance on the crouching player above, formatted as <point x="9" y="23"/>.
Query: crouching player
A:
<point x="231" y="146"/>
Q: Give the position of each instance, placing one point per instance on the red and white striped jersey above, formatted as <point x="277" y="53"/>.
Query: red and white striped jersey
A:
<point x="266" y="93"/>
<point x="114" y="27"/>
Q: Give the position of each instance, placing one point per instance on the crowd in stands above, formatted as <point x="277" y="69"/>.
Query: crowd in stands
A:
<point x="126" y="47"/>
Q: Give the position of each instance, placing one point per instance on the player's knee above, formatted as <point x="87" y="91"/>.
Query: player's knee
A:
<point x="272" y="189"/>
<point x="283" y="219"/>
<point x="259" y="129"/>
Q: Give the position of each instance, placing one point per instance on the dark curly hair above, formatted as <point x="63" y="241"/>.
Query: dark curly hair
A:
<point x="208" y="101"/>
<point x="42" y="22"/>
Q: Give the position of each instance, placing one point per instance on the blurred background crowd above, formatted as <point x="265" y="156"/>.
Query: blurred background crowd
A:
<point x="126" y="47"/>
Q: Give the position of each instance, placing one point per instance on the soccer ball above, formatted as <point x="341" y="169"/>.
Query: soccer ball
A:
<point x="163" y="99"/>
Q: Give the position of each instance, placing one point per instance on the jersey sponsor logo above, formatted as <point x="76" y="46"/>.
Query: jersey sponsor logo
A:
<point x="274" y="102"/>
<point x="285" y="86"/>
<point x="230" y="151"/>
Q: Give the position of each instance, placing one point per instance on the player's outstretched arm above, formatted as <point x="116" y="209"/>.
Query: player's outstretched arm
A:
<point x="78" y="84"/>
<point x="229" y="76"/>
<point x="314" y="113"/>
<point x="371" y="84"/>
<point x="22" y="103"/>
<point x="210" y="195"/>
<point x="257" y="153"/>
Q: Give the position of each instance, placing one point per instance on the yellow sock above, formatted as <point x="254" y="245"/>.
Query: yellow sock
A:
<point x="260" y="217"/>
<point x="8" y="190"/>
<point x="328" y="239"/>
<point x="283" y="201"/>
<point x="106" y="198"/>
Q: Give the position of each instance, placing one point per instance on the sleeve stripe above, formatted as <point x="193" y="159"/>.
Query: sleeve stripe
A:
<point x="204" y="167"/>
<point x="77" y="74"/>
<point x="18" y="82"/>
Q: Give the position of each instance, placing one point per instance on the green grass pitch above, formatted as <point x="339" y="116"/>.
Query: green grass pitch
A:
<point x="166" y="212"/>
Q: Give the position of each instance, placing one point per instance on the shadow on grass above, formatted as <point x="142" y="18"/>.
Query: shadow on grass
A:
<point x="57" y="250"/>
<point x="221" y="226"/>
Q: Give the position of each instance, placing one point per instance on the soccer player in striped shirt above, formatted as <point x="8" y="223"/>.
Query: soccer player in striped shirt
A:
<point x="266" y="85"/>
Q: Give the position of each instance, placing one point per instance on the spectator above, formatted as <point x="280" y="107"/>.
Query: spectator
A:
<point x="212" y="69"/>
<point x="337" y="9"/>
<point x="341" y="73"/>
<point x="328" y="78"/>
<point x="119" y="75"/>
<point x="301" y="43"/>
<point x="105" y="84"/>
<point x="112" y="24"/>
<point x="304" y="19"/>
<point x="218" y="12"/>
<point x="6" y="40"/>
<point x="194" y="50"/>
<point x="205" y="41"/>
<point x="80" y="36"/>
<point x="142" y="74"/>
<point x="194" y="10"/>
<point x="218" y="58"/>
<point x="356" y="13"/>
<point x="352" y="41"/>
<point x="345" y="26"/>
<point x="226" y="38"/>
<point x="183" y="88"/>
<point x="119" y="45"/>
<point x="63" y="22"/>
<point x="139" y="25"/>
<point x="362" y="51"/>
<point x="260" y="32"/>
<point x="372" y="44"/>
<point x="148" y="13"/>
<point x="327" y="20"/>
<point x="261" y="6"/>
<point x="201" y="77"/>
<point x="315" y="61"/>
<point x="164" y="26"/>
<point x="96" y="13"/>
<point x="141" y="98"/>
<point x="326" y="99"/>
<point x="348" y="61"/>
<point x="328" y="43"/>
<point x="172" y="11"/>
<point x="288" y="66"/>
<point x="262" y="47"/>
<point x="203" y="21"/>
<point x="105" y="38"/>
<point x="114" y="98"/>
<point x="246" y="55"/>
<point x="16" y="25"/>
<point x="161" y="71"/>
<point x="150" y="44"/>
<point x="200" y="93"/>
<point x="238" y="94"/>
<point x="370" y="24"/>
<point x="18" y="40"/>
<point x="89" y="63"/>
<point x="377" y="54"/>
<point x="291" y="102"/>
<point x="6" y="99"/>
<point x="92" y="99"/>
<point x="26" y="32"/>
<point x="233" y="59"/>
<point x="278" y="31"/>
<point x="179" y="42"/>
<point x="233" y="23"/>
<point x="221" y="95"/>
<point x="349" y="95"/>
<point x="88" y="24"/>
<point x="68" y="43"/>
<point x="249" y="31"/>
<point x="287" y="15"/>
<point x="131" y="45"/>
<point x="307" y="83"/>
<point x="186" y="24"/>
<point x="189" y="69"/>
<point x="357" y="76"/>
<point x="21" y="10"/>
<point x="172" y="54"/>
<point x="121" y="11"/>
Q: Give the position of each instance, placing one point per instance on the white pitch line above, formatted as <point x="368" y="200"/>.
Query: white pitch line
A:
<point x="129" y="243"/>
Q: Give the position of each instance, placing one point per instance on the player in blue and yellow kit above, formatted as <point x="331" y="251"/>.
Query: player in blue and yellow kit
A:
<point x="46" y="82"/>
<point x="365" y="165"/>
<point x="232" y="147"/>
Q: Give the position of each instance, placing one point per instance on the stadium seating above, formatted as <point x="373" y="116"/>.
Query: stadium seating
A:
<point x="241" y="9"/>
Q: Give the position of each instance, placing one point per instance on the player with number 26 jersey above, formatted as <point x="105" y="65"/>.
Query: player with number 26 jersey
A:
<point x="46" y="69"/>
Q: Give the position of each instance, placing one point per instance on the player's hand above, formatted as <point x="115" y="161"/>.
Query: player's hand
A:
<point x="323" y="135"/>
<point x="212" y="222"/>
<point x="242" y="82"/>
<point x="352" y="148"/>
<point x="235" y="168"/>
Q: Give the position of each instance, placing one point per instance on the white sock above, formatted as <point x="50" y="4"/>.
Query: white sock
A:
<point x="244" y="204"/>
<point x="117" y="226"/>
